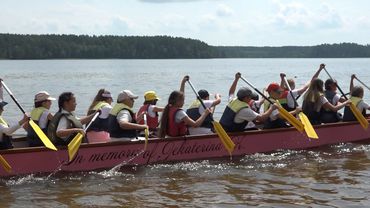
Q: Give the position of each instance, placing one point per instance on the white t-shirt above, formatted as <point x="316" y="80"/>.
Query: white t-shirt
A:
<point x="245" y="114"/>
<point x="105" y="110"/>
<point x="290" y="99"/>
<point x="180" y="114"/>
<point x="207" y="103"/>
<point x="362" y="105"/>
<point x="8" y="130"/>
<point x="151" y="112"/>
<point x="125" y="116"/>
<point x="43" y="120"/>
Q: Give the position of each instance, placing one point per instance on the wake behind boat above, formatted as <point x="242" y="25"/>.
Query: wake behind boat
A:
<point x="34" y="160"/>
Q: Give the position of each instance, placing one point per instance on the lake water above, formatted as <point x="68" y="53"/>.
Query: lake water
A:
<point x="335" y="176"/>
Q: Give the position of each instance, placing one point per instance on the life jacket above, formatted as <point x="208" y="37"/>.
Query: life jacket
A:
<point x="314" y="115"/>
<point x="99" y="124"/>
<point x="283" y="100"/>
<point x="348" y="115"/>
<point x="227" y="118"/>
<point x="193" y="113"/>
<point x="175" y="129"/>
<point x="32" y="137"/>
<point x="7" y="140"/>
<point x="115" y="129"/>
<point x="328" y="116"/>
<point x="53" y="125"/>
<point x="152" y="122"/>
<point x="278" y="122"/>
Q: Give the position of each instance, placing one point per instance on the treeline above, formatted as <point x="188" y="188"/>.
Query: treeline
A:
<point x="14" y="46"/>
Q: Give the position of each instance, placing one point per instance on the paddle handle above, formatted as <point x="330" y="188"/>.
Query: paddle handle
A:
<point x="290" y="91"/>
<point x="341" y="91"/>
<point x="11" y="95"/>
<point x="259" y="92"/>
<point x="362" y="83"/>
<point x="92" y="120"/>
<point x="145" y="119"/>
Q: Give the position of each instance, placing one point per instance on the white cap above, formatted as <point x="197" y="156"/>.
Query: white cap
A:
<point x="126" y="94"/>
<point x="42" y="96"/>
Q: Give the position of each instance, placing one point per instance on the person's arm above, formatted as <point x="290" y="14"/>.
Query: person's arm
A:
<point x="124" y="119"/>
<point x="10" y="130"/>
<point x="158" y="109"/>
<point x="235" y="82"/>
<point x="351" y="83"/>
<point x="307" y="85"/>
<point x="217" y="100"/>
<point x="183" y="81"/>
<point x="87" y="119"/>
<point x="337" y="107"/>
<point x="63" y="131"/>
<point x="190" y="122"/>
<point x="262" y="117"/>
<point x="282" y="82"/>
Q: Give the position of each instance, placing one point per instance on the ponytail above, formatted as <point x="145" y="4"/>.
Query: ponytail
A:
<point x="174" y="97"/>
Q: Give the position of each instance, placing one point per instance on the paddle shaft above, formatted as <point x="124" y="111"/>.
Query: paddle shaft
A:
<point x="92" y="120"/>
<point x="14" y="99"/>
<point x="291" y="93"/>
<point x="195" y="92"/>
<point x="341" y="91"/>
<point x="259" y="92"/>
<point x="362" y="83"/>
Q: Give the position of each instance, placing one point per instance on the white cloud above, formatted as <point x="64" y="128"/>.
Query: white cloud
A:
<point x="224" y="10"/>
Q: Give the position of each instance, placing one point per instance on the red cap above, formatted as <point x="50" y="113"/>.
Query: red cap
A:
<point x="273" y="87"/>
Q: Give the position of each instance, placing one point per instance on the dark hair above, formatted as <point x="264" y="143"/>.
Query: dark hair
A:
<point x="357" y="91"/>
<point x="174" y="97"/>
<point x="150" y="102"/>
<point x="98" y="97"/>
<point x="39" y="104"/>
<point x="64" y="97"/>
<point x="329" y="83"/>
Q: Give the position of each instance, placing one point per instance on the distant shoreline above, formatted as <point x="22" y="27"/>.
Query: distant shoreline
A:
<point x="62" y="47"/>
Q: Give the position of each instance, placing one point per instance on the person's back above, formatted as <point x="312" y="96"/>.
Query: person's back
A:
<point x="357" y="94"/>
<point x="327" y="115"/>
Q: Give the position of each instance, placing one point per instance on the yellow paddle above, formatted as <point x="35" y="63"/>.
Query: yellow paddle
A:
<point x="146" y="132"/>
<point x="284" y="113"/>
<point x="361" y="119"/>
<point x="225" y="139"/>
<point x="5" y="164"/>
<point x="74" y="145"/>
<point x="310" y="131"/>
<point x="34" y="126"/>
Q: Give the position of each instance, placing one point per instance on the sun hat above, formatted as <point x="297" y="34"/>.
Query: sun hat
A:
<point x="150" y="95"/>
<point x="43" y="96"/>
<point x="126" y="94"/>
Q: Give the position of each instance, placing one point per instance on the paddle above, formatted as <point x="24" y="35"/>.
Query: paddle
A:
<point x="284" y="113"/>
<point x="34" y="126"/>
<point x="74" y="145"/>
<point x="5" y="164"/>
<point x="361" y="119"/>
<point x="225" y="139"/>
<point x="310" y="131"/>
<point x="146" y="132"/>
<point x="362" y="83"/>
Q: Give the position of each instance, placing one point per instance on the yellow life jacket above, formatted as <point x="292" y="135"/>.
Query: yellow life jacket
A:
<point x="37" y="112"/>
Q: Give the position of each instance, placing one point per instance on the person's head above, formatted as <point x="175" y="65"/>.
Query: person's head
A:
<point x="357" y="91"/>
<point x="43" y="99"/>
<point x="67" y="101"/>
<point x="150" y="97"/>
<point x="103" y="95"/>
<point x="176" y="99"/>
<point x="317" y="85"/>
<point x="331" y="85"/>
<point x="2" y="104"/>
<point x="245" y="94"/>
<point x="291" y="83"/>
<point x="313" y="94"/>
<point x="203" y="94"/>
<point x="127" y="97"/>
<point x="274" y="90"/>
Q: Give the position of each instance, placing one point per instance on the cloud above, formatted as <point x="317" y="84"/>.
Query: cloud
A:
<point x="224" y="10"/>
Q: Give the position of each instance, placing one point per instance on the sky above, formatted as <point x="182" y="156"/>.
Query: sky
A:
<point x="216" y="22"/>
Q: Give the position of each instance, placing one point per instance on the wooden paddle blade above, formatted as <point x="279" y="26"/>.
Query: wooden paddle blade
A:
<point x="291" y="119"/>
<point x="5" y="164"/>
<point x="364" y="123"/>
<point x="42" y="136"/>
<point x="74" y="145"/>
<point x="310" y="131"/>
<point x="225" y="139"/>
<point x="146" y="133"/>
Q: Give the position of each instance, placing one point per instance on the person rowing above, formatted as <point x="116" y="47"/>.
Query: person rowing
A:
<point x="275" y="120"/>
<point x="357" y="94"/>
<point x="287" y="100"/>
<point x="122" y="119"/>
<point x="315" y="102"/>
<point x="238" y="116"/>
<point x="151" y="110"/>
<point x="98" y="130"/>
<point x="328" y="115"/>
<point x="41" y="116"/>
<point x="7" y="130"/>
<point x="175" y="121"/>
<point x="65" y="125"/>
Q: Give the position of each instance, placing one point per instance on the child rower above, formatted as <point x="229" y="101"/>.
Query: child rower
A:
<point x="151" y="110"/>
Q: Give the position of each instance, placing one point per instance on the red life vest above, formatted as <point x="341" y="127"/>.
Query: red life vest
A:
<point x="175" y="129"/>
<point x="152" y="122"/>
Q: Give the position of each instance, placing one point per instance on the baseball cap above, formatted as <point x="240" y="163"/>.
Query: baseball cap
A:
<point x="245" y="92"/>
<point x="43" y="96"/>
<point x="106" y="94"/>
<point x="150" y="95"/>
<point x="3" y="103"/>
<point x="126" y="94"/>
<point x="273" y="87"/>
<point x="203" y="94"/>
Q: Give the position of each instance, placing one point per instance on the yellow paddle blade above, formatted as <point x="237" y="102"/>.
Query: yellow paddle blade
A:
<point x="42" y="136"/>
<point x="74" y="145"/>
<point x="291" y="119"/>
<point x="5" y="164"/>
<point x="225" y="139"/>
<point x="146" y="132"/>
<point x="310" y="131"/>
<point x="364" y="123"/>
